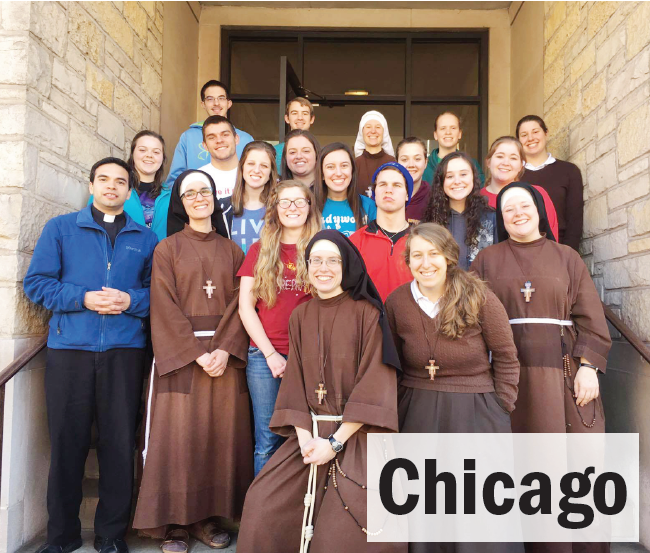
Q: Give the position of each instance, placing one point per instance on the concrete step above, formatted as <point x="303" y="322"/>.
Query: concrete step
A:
<point x="92" y="465"/>
<point x="89" y="503"/>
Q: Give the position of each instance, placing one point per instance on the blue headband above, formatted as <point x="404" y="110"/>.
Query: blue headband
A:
<point x="407" y="177"/>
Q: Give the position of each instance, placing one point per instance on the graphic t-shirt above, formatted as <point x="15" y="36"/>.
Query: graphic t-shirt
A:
<point x="338" y="215"/>
<point x="276" y="319"/>
<point x="148" y="203"/>
<point x="246" y="229"/>
<point x="223" y="180"/>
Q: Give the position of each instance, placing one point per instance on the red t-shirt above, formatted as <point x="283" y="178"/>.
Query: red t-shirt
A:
<point x="276" y="320"/>
<point x="548" y="204"/>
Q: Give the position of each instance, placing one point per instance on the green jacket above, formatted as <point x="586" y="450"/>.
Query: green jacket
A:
<point x="432" y="165"/>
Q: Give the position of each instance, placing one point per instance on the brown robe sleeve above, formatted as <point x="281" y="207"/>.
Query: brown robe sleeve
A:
<point x="390" y="314"/>
<point x="231" y="335"/>
<point x="497" y="334"/>
<point x="478" y="267"/>
<point x="174" y="343"/>
<point x="593" y="341"/>
<point x="291" y="407"/>
<point x="373" y="400"/>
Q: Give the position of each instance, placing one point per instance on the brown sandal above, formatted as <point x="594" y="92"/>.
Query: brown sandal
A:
<point x="211" y="534"/>
<point x="176" y="541"/>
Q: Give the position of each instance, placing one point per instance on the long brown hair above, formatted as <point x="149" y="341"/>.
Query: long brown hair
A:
<point x="464" y="293"/>
<point x="284" y="168"/>
<point x="492" y="151"/>
<point x="352" y="196"/>
<point x="158" y="180"/>
<point x="438" y="209"/>
<point x="269" y="269"/>
<point x="237" y="199"/>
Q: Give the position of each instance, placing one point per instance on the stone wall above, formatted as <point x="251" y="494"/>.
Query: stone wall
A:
<point x="597" y="108"/>
<point x="77" y="81"/>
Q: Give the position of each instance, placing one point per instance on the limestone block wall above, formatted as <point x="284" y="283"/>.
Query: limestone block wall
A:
<point x="597" y="107"/>
<point x="77" y="81"/>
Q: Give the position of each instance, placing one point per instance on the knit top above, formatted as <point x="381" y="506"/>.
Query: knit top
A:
<point x="464" y="363"/>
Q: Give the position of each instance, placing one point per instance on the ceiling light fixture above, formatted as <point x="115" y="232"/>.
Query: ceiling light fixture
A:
<point x="356" y="93"/>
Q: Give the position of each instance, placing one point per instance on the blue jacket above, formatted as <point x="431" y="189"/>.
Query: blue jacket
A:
<point x="133" y="208"/>
<point x="74" y="256"/>
<point x="190" y="153"/>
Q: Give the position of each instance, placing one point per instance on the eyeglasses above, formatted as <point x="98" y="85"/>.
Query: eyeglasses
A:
<point x="191" y="194"/>
<point x="212" y="99"/>
<point x="299" y="203"/>
<point x="330" y="261"/>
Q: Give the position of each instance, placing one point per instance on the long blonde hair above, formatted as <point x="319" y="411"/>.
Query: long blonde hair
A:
<point x="269" y="268"/>
<point x="492" y="151"/>
<point x="464" y="293"/>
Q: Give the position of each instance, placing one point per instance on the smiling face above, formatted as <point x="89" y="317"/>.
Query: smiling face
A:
<point x="412" y="157"/>
<point x="505" y="164"/>
<point x="216" y="101"/>
<point x="147" y="156"/>
<point x="337" y="173"/>
<point x="292" y="217"/>
<point x="521" y="218"/>
<point x="257" y="169"/>
<point x="110" y="189"/>
<point x="390" y="191"/>
<point x="299" y="117"/>
<point x="459" y="179"/>
<point x="326" y="277"/>
<point x="220" y="141"/>
<point x="447" y="132"/>
<point x="533" y="138"/>
<point x="301" y="156"/>
<point x="373" y="133"/>
<point x="200" y="207"/>
<point x="428" y="266"/>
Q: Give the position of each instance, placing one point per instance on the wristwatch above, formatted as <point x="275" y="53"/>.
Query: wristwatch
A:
<point x="336" y="445"/>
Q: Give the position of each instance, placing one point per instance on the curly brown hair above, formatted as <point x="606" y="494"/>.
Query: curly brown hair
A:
<point x="464" y="294"/>
<point x="438" y="209"/>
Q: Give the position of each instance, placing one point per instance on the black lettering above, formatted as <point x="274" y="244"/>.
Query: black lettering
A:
<point x="469" y="488"/>
<point x="600" y="501"/>
<point x="386" y="486"/>
<point x="584" y="487"/>
<point x="488" y="493"/>
<point x="430" y="489"/>
<point x="543" y="493"/>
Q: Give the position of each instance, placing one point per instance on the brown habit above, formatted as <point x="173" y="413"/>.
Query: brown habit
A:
<point x="199" y="451"/>
<point x="359" y="387"/>
<point x="563" y="290"/>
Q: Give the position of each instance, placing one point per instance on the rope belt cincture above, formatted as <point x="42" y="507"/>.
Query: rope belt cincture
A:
<point x="307" y="532"/>
<point x="536" y="320"/>
<point x="147" y="427"/>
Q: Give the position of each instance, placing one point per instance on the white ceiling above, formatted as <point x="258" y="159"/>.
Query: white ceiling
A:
<point x="364" y="4"/>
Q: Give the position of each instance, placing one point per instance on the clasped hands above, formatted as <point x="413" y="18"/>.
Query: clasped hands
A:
<point x="214" y="363"/>
<point x="317" y="451"/>
<point x="108" y="301"/>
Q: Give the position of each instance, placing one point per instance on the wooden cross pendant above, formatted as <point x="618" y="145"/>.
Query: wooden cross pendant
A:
<point x="322" y="392"/>
<point x="527" y="291"/>
<point x="432" y="368"/>
<point x="209" y="288"/>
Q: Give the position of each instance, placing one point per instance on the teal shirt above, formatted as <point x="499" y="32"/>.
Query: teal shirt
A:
<point x="133" y="208"/>
<point x="279" y="148"/>
<point x="338" y="215"/>
<point x="432" y="165"/>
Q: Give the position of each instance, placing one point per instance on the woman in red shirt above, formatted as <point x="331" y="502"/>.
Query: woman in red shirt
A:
<point x="505" y="163"/>
<point x="274" y="282"/>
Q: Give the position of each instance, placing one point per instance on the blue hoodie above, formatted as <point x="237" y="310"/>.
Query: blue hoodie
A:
<point x="74" y="256"/>
<point x="133" y="208"/>
<point x="190" y="153"/>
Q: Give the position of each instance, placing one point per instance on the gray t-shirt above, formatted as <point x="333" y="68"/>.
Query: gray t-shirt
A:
<point x="246" y="229"/>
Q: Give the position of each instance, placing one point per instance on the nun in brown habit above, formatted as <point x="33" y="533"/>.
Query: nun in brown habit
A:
<point x="342" y="364"/>
<point x="198" y="455"/>
<point x="557" y="322"/>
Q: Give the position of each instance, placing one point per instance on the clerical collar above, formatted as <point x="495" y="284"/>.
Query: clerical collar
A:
<point x="102" y="219"/>
<point x="550" y="159"/>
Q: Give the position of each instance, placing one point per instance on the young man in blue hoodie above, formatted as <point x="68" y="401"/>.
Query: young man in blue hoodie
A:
<point x="92" y="269"/>
<point x="190" y="152"/>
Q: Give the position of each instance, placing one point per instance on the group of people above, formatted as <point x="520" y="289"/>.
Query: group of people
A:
<point x="295" y="306"/>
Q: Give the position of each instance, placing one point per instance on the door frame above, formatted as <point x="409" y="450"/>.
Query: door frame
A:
<point x="230" y="34"/>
